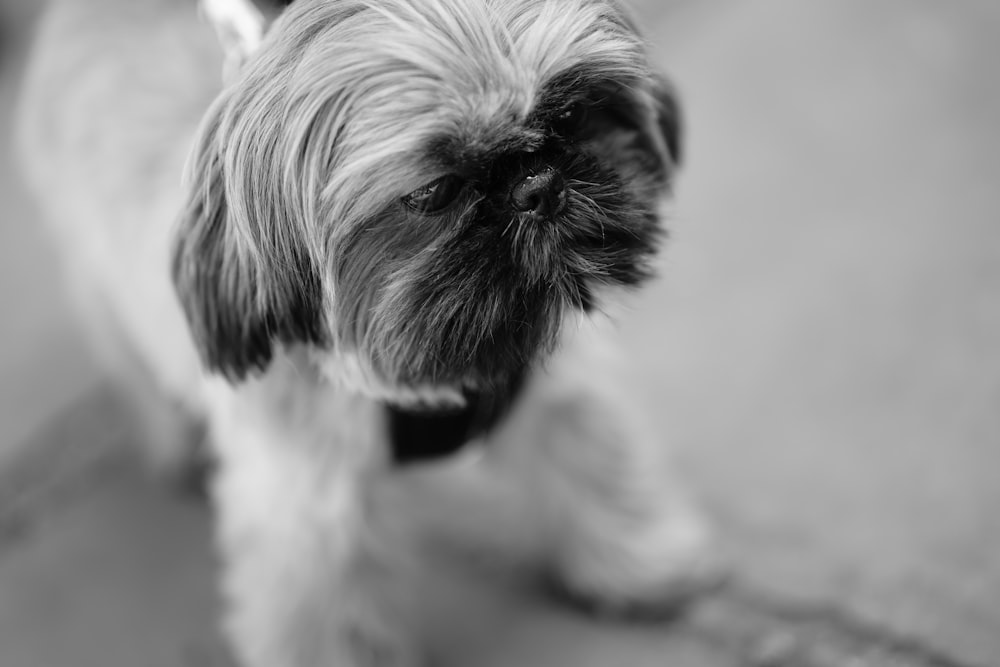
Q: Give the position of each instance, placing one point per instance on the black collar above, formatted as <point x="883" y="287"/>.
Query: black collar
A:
<point x="425" y="434"/>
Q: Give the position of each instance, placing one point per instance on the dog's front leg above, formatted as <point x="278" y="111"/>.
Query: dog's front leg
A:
<point x="624" y="536"/>
<point x="292" y="461"/>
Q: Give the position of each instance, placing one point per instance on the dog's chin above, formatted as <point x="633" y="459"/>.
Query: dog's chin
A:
<point x="495" y="356"/>
<point x="475" y="327"/>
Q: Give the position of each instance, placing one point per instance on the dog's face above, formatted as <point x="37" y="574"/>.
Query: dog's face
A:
<point x="421" y="190"/>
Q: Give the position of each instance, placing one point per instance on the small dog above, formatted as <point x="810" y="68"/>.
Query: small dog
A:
<point x="393" y="207"/>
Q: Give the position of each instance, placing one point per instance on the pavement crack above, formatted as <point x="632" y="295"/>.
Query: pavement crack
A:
<point x="761" y="629"/>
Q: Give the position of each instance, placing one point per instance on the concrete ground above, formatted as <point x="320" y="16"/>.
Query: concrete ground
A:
<point x="821" y="352"/>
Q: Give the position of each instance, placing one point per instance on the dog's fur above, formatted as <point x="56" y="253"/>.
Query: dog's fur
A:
<point x="313" y="290"/>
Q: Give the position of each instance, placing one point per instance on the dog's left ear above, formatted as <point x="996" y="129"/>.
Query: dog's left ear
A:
<point x="669" y="117"/>
<point x="242" y="264"/>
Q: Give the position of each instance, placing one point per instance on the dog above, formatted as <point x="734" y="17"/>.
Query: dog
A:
<point x="394" y="214"/>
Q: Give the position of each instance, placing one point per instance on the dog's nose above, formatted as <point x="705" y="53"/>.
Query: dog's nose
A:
<point x="542" y="195"/>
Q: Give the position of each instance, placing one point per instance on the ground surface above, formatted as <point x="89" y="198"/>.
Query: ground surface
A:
<point x="822" y="353"/>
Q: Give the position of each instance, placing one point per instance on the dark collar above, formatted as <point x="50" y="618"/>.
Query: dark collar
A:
<point x="426" y="434"/>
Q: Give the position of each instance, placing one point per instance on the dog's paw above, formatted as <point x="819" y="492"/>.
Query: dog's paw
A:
<point x="653" y="573"/>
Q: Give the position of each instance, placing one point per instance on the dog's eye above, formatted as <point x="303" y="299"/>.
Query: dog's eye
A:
<point x="437" y="196"/>
<point x="571" y="120"/>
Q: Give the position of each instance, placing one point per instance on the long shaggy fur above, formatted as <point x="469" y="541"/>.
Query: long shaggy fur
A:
<point x="288" y="288"/>
<point x="300" y="166"/>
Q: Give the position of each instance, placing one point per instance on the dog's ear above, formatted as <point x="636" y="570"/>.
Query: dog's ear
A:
<point x="241" y="265"/>
<point x="669" y="117"/>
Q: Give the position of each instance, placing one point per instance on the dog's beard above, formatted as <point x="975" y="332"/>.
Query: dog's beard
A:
<point x="483" y="295"/>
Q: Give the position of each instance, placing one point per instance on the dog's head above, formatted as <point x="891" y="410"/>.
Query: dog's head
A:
<point x="422" y="190"/>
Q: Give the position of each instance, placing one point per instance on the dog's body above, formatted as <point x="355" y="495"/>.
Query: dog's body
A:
<point x="116" y="94"/>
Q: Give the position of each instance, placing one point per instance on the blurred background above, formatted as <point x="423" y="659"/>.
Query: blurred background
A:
<point x="822" y="353"/>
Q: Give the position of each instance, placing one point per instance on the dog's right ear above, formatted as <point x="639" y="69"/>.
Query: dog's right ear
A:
<point x="670" y="117"/>
<point x="241" y="268"/>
